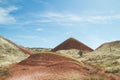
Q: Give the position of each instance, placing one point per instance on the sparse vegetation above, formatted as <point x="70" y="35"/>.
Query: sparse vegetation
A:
<point x="39" y="50"/>
<point x="88" y="68"/>
<point x="106" y="56"/>
<point x="10" y="53"/>
<point x="112" y="70"/>
<point x="24" y="69"/>
<point x="96" y="78"/>
<point x="4" y="73"/>
<point x="80" y="52"/>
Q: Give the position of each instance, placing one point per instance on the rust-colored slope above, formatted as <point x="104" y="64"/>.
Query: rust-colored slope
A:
<point x="46" y="59"/>
<point x="25" y="50"/>
<point x="72" y="43"/>
<point x="47" y="66"/>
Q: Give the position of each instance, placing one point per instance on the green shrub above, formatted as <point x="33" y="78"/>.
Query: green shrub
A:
<point x="88" y="68"/>
<point x="4" y="72"/>
<point x="112" y="70"/>
<point x="80" y="53"/>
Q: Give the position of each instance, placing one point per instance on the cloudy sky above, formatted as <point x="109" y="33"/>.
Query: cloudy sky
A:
<point x="46" y="23"/>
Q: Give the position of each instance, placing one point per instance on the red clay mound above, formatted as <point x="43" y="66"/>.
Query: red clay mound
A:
<point x="72" y="43"/>
<point x="47" y="66"/>
<point x="45" y="59"/>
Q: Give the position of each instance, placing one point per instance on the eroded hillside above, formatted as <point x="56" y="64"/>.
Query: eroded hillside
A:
<point x="50" y="66"/>
<point x="10" y="52"/>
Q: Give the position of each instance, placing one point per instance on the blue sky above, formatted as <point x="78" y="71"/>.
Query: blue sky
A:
<point x="46" y="23"/>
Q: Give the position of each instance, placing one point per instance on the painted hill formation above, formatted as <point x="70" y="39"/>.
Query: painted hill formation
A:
<point x="72" y="43"/>
<point x="47" y="66"/>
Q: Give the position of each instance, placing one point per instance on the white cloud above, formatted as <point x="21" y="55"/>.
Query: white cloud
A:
<point x="43" y="21"/>
<point x="42" y="2"/>
<point x="99" y="18"/>
<point x="27" y="36"/>
<point x="63" y="18"/>
<point x="60" y="17"/>
<point x="69" y="33"/>
<point x="5" y="17"/>
<point x="39" y="29"/>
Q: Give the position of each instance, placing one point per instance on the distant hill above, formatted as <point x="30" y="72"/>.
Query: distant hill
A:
<point x="39" y="50"/>
<point x="110" y="46"/>
<point x="72" y="43"/>
<point x="10" y="52"/>
<point x="106" y="56"/>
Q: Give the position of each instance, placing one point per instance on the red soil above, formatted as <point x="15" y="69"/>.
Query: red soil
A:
<point x="26" y="51"/>
<point x="47" y="66"/>
<point x="46" y="59"/>
<point x="72" y="43"/>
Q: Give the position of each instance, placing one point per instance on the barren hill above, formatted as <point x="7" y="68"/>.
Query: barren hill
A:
<point x="46" y="58"/>
<point x="11" y="53"/>
<point x="47" y="66"/>
<point x="39" y="50"/>
<point x="72" y="43"/>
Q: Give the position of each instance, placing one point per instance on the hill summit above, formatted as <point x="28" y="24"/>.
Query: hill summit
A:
<point x="45" y="59"/>
<point x="72" y="43"/>
<point x="109" y="46"/>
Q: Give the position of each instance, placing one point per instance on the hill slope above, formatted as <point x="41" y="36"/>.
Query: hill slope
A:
<point x="50" y="66"/>
<point x="72" y="43"/>
<point x="106" y="56"/>
<point x="72" y="48"/>
<point x="10" y="52"/>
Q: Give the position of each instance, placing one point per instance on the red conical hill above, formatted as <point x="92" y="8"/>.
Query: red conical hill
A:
<point x="72" y="43"/>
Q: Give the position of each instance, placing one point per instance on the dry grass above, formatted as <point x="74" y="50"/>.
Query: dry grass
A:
<point x="10" y="52"/>
<point x="106" y="56"/>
